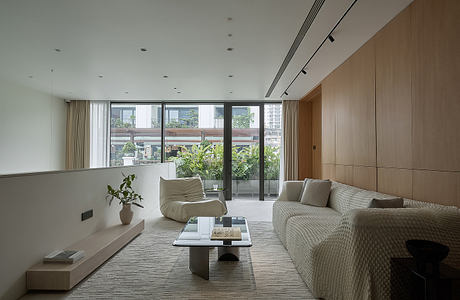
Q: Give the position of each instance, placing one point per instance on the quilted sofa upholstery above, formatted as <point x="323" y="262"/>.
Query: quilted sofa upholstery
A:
<point x="183" y="198"/>
<point x="343" y="251"/>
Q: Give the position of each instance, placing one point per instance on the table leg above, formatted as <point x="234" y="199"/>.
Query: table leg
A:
<point x="229" y="253"/>
<point x="199" y="261"/>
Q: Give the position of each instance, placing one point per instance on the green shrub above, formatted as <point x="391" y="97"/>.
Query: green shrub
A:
<point x="207" y="160"/>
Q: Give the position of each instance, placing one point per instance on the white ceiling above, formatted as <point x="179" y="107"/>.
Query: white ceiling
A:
<point x="186" y="40"/>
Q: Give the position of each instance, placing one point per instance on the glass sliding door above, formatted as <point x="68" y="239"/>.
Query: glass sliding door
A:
<point x="245" y="152"/>
<point x="272" y="147"/>
<point x="135" y="134"/>
<point x="194" y="141"/>
<point x="192" y="136"/>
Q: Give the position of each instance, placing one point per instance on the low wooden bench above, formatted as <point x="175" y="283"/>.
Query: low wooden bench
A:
<point x="98" y="247"/>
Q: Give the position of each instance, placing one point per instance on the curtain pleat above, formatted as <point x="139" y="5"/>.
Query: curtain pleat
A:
<point x="99" y="149"/>
<point x="290" y="139"/>
<point x="78" y="135"/>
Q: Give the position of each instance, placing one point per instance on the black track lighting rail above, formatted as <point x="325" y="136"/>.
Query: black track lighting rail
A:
<point x="328" y="37"/>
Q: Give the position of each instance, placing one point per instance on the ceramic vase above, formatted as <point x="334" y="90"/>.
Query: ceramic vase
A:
<point x="126" y="214"/>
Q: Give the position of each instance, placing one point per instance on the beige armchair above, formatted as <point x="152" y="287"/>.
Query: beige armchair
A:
<point x="183" y="198"/>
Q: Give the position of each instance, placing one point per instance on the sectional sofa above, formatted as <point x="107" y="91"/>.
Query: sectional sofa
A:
<point x="343" y="250"/>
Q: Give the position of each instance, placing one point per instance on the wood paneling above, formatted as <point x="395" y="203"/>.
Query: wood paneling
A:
<point x="437" y="187"/>
<point x="305" y="140"/>
<point x="365" y="177"/>
<point x="435" y="79"/>
<point x="396" y="182"/>
<point x="343" y="114"/>
<point x="363" y="105"/>
<point x="393" y="93"/>
<point x="328" y="120"/>
<point x="328" y="171"/>
<point x="391" y="112"/>
<point x="316" y="137"/>
<point x="310" y="135"/>
<point x="344" y="174"/>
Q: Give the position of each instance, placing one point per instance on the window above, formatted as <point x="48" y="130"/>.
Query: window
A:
<point x="123" y="116"/>
<point x="194" y="140"/>
<point x="272" y="146"/>
<point x="135" y="134"/>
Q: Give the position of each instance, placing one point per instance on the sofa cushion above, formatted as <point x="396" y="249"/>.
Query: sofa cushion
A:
<point x="346" y="197"/>
<point x="316" y="192"/>
<point x="181" y="189"/>
<point x="283" y="210"/>
<point x="340" y="196"/>
<point x="387" y="203"/>
<point x="182" y="211"/>
<point x="305" y="182"/>
<point x="303" y="234"/>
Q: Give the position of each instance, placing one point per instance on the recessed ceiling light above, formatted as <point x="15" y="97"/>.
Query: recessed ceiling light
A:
<point x="230" y="76"/>
<point x="57" y="50"/>
<point x="101" y="76"/>
<point x="229" y="35"/>
<point x="175" y="88"/>
<point x="229" y="49"/>
<point x="178" y="92"/>
<point x="126" y="92"/>
<point x="231" y="92"/>
<point x="165" y="76"/>
<point x="229" y="19"/>
<point x="30" y="76"/>
<point x="143" y="49"/>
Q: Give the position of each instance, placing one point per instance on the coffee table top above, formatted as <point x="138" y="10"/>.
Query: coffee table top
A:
<point x="197" y="232"/>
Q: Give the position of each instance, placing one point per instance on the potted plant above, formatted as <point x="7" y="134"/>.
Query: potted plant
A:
<point x="127" y="196"/>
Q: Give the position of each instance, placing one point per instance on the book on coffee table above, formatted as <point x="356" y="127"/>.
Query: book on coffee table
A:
<point x="226" y="233"/>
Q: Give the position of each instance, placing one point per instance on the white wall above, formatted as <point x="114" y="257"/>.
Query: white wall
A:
<point x="42" y="212"/>
<point x="32" y="130"/>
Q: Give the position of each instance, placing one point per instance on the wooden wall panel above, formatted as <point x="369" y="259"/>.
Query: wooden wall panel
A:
<point x="391" y="112"/>
<point x="344" y="174"/>
<point x="394" y="181"/>
<point x="328" y="171"/>
<point x="362" y="99"/>
<point x="393" y="93"/>
<point x="344" y="114"/>
<point x="328" y="120"/>
<point x="365" y="177"/>
<point x="437" y="187"/>
<point x="316" y="137"/>
<point x="305" y="139"/>
<point x="435" y="79"/>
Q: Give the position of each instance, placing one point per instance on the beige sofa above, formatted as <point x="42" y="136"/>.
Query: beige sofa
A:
<point x="343" y="251"/>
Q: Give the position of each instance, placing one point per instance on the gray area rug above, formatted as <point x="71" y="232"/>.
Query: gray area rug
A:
<point x="151" y="268"/>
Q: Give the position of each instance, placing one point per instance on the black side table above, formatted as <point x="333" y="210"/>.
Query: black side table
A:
<point x="408" y="283"/>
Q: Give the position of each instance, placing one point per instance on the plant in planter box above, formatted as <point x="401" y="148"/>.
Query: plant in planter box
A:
<point x="125" y="193"/>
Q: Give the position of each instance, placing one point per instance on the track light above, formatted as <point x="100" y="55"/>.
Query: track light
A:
<point x="286" y="93"/>
<point x="331" y="38"/>
<point x="304" y="72"/>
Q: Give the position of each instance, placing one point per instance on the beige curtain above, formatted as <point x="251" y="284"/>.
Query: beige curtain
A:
<point x="290" y="139"/>
<point x="78" y="135"/>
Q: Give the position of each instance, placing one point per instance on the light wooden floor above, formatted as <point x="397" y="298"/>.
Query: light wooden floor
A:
<point x="253" y="210"/>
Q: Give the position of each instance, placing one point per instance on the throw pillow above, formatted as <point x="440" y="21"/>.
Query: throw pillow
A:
<point x="387" y="203"/>
<point x="305" y="181"/>
<point x="316" y="192"/>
